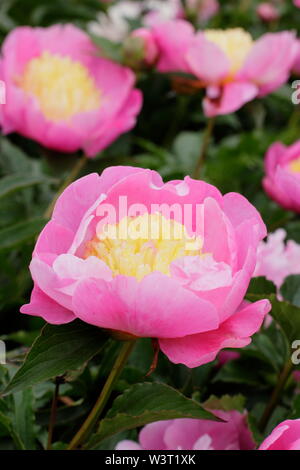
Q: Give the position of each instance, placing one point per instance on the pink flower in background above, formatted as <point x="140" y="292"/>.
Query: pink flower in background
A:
<point x="160" y="11"/>
<point x="227" y="356"/>
<point x="282" y="175"/>
<point x="268" y="12"/>
<point x="148" y="45"/>
<point x="277" y="260"/>
<point x="286" y="436"/>
<point x="297" y="3"/>
<point x="204" y="9"/>
<point x="61" y="93"/>
<point x="195" y="434"/>
<point x="229" y="64"/>
<point x="186" y="290"/>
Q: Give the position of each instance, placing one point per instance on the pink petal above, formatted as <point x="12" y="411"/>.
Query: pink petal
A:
<point x="206" y="60"/>
<point x="152" y="435"/>
<point x="43" y="306"/>
<point x="199" y="349"/>
<point x="128" y="445"/>
<point x="157" y="306"/>
<point x="173" y="39"/>
<point x="233" y="96"/>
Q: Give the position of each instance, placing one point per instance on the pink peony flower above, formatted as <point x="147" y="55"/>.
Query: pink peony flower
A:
<point x="60" y="93"/>
<point x="205" y="9"/>
<point x="126" y="252"/>
<point x="229" y="64"/>
<point x="195" y="434"/>
<point x="267" y="12"/>
<point x="277" y="260"/>
<point x="282" y="175"/>
<point x="297" y="3"/>
<point x="286" y="436"/>
<point x="227" y="356"/>
<point x="148" y="44"/>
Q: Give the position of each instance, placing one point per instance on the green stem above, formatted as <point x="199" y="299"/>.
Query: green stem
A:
<point x="283" y="378"/>
<point x="99" y="406"/>
<point x="70" y="178"/>
<point x="206" y="140"/>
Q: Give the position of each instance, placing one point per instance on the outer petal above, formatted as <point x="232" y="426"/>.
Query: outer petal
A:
<point x="173" y="39"/>
<point x="239" y="210"/>
<point x="155" y="307"/>
<point x="232" y="97"/>
<point x="273" y="157"/>
<point x="43" y="306"/>
<point x="270" y="61"/>
<point x="152" y="435"/>
<point x="128" y="445"/>
<point x="110" y="130"/>
<point x="286" y="436"/>
<point x="77" y="198"/>
<point x="206" y="60"/>
<point x="199" y="349"/>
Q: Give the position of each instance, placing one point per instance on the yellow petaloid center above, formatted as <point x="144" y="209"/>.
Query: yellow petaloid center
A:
<point x="236" y="43"/>
<point x="138" y="246"/>
<point x="62" y="86"/>
<point x="295" y="165"/>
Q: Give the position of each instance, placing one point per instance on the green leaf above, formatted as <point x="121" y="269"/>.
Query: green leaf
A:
<point x="108" y="49"/>
<point x="260" y="288"/>
<point x="23" y="419"/>
<point x="295" y="411"/>
<point x="288" y="317"/>
<point x="226" y="403"/>
<point x="18" y="181"/>
<point x="187" y="147"/>
<point x="13" y="159"/>
<point x="6" y="424"/>
<point x="145" y="403"/>
<point x="290" y="290"/>
<point x="239" y="372"/>
<point x="57" y="350"/>
<point x="17" y="234"/>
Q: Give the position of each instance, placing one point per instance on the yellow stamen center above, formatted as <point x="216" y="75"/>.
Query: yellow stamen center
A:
<point x="295" y="165"/>
<point x="140" y="245"/>
<point x="236" y="43"/>
<point x="63" y="87"/>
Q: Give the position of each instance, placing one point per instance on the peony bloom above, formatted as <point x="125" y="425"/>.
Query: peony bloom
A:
<point x="229" y="64"/>
<point x="286" y="436"/>
<point x="126" y="252"/>
<point x="267" y="12"/>
<point x="195" y="434"/>
<point x="277" y="260"/>
<point x="143" y="47"/>
<point x="282" y="175"/>
<point x="297" y="3"/>
<point x="60" y="93"/>
<point x="160" y="11"/>
<point x="204" y="9"/>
